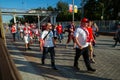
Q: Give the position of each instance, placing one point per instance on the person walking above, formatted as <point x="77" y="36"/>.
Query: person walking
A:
<point x="48" y="45"/>
<point x="27" y="36"/>
<point x="13" y="31"/>
<point x="81" y="35"/>
<point x="21" y="31"/>
<point x="55" y="33"/>
<point x="71" y="29"/>
<point x="117" y="35"/>
<point x="95" y="29"/>
<point x="90" y="40"/>
<point x="59" y="32"/>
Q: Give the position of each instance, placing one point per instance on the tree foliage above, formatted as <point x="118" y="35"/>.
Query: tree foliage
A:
<point x="109" y="9"/>
<point x="62" y="6"/>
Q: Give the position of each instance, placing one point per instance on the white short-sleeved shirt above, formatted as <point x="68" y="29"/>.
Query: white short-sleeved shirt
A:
<point x="82" y="37"/>
<point x="48" y="42"/>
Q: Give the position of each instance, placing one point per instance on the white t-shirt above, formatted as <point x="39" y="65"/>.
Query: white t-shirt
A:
<point x="48" y="42"/>
<point x="21" y="28"/>
<point x="82" y="37"/>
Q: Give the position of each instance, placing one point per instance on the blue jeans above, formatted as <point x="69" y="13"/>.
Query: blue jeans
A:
<point x="18" y="35"/>
<point x="60" y="37"/>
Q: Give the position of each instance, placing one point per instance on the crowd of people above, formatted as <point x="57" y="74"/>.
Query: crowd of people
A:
<point x="48" y="35"/>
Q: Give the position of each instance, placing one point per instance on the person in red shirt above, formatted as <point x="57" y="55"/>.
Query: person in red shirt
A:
<point x="59" y="32"/>
<point x="90" y="40"/>
<point x="13" y="31"/>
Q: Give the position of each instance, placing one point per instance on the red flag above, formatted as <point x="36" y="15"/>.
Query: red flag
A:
<point x="70" y="8"/>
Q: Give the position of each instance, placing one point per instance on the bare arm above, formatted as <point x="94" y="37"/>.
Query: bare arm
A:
<point x="41" y="44"/>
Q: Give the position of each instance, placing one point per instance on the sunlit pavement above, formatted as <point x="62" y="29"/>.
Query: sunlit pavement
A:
<point x="29" y="62"/>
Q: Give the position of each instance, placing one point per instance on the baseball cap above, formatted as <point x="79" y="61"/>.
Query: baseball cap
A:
<point x="84" y="20"/>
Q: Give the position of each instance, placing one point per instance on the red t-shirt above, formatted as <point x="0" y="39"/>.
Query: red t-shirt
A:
<point x="13" y="29"/>
<point x="59" y="29"/>
<point x="90" y="36"/>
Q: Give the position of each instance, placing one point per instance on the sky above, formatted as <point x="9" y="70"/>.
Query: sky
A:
<point x="31" y="4"/>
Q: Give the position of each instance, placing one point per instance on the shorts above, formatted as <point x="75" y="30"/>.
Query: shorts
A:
<point x="90" y="47"/>
<point x="26" y="39"/>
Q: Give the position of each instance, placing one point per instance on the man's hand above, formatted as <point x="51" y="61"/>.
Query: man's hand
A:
<point x="80" y="47"/>
<point x="41" y="49"/>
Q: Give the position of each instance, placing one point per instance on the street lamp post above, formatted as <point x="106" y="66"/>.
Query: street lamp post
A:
<point x="102" y="15"/>
<point x="38" y="16"/>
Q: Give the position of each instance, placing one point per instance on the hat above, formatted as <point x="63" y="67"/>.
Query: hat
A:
<point x="84" y="20"/>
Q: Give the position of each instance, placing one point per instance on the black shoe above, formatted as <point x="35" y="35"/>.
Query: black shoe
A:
<point x="94" y="55"/>
<point x="25" y="49"/>
<point x="43" y="62"/>
<point x="29" y="48"/>
<point x="114" y="46"/>
<point x="54" y="68"/>
<point x="76" y="68"/>
<point x="91" y="70"/>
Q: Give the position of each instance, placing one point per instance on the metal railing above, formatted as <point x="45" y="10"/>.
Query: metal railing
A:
<point x="103" y="25"/>
<point x="107" y="25"/>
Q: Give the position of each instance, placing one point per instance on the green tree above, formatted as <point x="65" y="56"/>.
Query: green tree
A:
<point x="109" y="9"/>
<point x="21" y="19"/>
<point x="31" y="19"/>
<point x="50" y="8"/>
<point x="62" y="6"/>
<point x="92" y="10"/>
<point x="64" y="14"/>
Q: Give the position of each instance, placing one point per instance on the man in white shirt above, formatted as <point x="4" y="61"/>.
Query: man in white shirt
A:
<point x="48" y="46"/>
<point x="27" y="36"/>
<point x="81" y="36"/>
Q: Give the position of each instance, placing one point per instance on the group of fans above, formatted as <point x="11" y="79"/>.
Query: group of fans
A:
<point x="26" y="32"/>
<point x="48" y="35"/>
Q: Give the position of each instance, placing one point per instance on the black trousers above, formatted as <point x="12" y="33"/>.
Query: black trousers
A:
<point x="116" y="41"/>
<point x="13" y="36"/>
<point x="50" y="50"/>
<point x="85" y="54"/>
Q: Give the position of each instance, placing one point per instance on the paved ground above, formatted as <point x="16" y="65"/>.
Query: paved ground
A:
<point x="29" y="64"/>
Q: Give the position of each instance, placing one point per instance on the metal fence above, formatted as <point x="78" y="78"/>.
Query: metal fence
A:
<point x="107" y="25"/>
<point x="103" y="25"/>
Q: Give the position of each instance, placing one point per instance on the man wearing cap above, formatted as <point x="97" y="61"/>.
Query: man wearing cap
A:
<point x="81" y="36"/>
